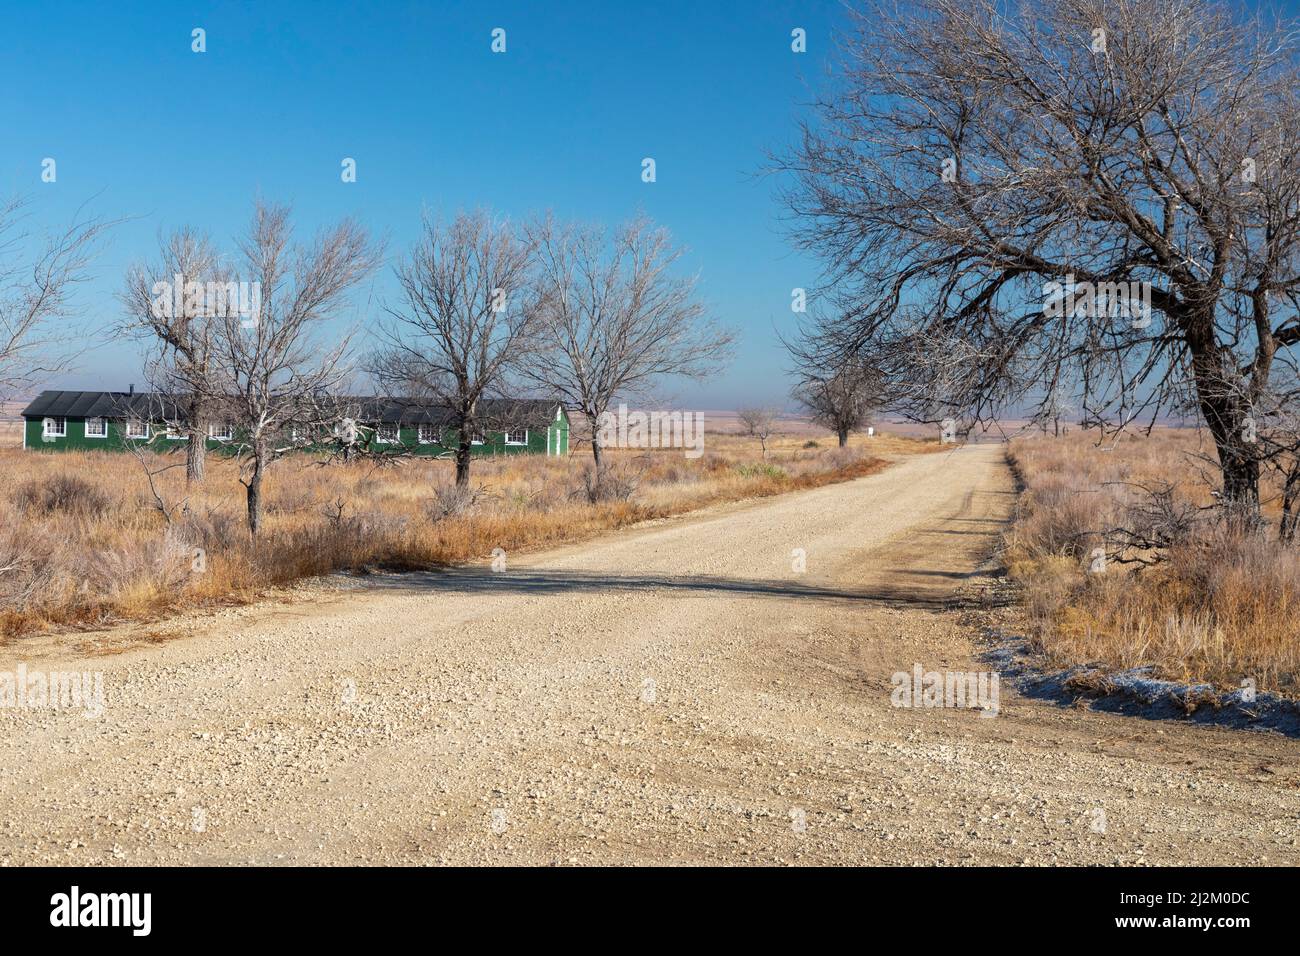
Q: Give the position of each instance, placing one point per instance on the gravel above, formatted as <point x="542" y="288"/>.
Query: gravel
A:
<point x="672" y="693"/>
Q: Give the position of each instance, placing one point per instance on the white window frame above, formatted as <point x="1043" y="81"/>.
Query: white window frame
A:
<point x="477" y="438"/>
<point x="227" y="432"/>
<point x="126" y="429"/>
<point x="432" y="429"/>
<point x="48" y="432"/>
<point x="381" y="427"/>
<point x="515" y="443"/>
<point x="103" y="423"/>
<point x="175" y="434"/>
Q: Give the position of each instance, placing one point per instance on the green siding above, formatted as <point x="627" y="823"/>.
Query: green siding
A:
<point x="556" y="433"/>
<point x="115" y="440"/>
<point x="555" y="437"/>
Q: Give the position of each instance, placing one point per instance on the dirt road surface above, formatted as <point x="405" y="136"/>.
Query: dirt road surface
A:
<point x="674" y="693"/>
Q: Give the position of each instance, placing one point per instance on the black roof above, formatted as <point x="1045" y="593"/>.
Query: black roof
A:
<point x="100" y="405"/>
<point x="536" y="412"/>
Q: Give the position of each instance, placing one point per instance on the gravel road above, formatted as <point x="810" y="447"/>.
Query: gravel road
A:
<point x="709" y="689"/>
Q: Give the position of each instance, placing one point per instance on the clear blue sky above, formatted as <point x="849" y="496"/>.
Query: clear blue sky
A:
<point x="142" y="127"/>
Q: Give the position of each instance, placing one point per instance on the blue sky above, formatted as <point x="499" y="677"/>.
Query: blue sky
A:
<point x="142" y="127"/>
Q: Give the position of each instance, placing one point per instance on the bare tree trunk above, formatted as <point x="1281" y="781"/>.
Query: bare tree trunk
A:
<point x="1225" y="418"/>
<point x="1290" y="498"/>
<point x="196" y="453"/>
<point x="462" y="461"/>
<point x="1240" y="487"/>
<point x="844" y="437"/>
<point x="255" y="491"/>
<point x="598" y="453"/>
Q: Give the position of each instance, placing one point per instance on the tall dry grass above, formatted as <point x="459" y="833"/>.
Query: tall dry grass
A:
<point x="1215" y="606"/>
<point x="82" y="543"/>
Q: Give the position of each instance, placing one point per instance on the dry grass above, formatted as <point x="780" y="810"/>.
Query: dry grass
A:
<point x="1219" y="607"/>
<point x="81" y="543"/>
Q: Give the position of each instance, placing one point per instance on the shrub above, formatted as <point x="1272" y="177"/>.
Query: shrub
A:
<point x="609" y="483"/>
<point x="453" y="501"/>
<point x="62" y="493"/>
<point x="32" y="559"/>
<point x="762" y="470"/>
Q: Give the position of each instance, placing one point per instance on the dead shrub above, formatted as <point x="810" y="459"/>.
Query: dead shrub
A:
<point x="152" y="567"/>
<point x="454" y="501"/>
<point x="61" y="493"/>
<point x="32" y="559"/>
<point x="609" y="483"/>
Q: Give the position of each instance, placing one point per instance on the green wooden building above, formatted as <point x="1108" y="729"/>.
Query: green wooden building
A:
<point x="109" y="421"/>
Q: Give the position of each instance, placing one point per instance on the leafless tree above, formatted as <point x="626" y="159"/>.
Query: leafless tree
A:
<point x="37" y="291"/>
<point x="842" y="401"/>
<point x="758" y="422"/>
<point x="980" y="168"/>
<point x="467" y="315"/>
<point x="166" y="303"/>
<point x="1055" y="407"/>
<point x="154" y="465"/>
<point x="841" y="397"/>
<point x="280" y="373"/>
<point x="615" y="319"/>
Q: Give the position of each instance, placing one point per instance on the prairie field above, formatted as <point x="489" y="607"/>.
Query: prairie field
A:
<point x="83" y="541"/>
<point x="1208" y="605"/>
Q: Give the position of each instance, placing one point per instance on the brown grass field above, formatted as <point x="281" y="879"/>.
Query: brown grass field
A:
<point x="11" y="424"/>
<point x="82" y="543"/>
<point x="1219" y="607"/>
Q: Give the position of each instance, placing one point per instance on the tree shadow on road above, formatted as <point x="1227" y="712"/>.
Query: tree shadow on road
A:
<point x="462" y="580"/>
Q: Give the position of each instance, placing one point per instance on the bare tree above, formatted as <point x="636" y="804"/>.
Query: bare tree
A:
<point x="841" y="397"/>
<point x="279" y="373"/>
<point x="1054" y="408"/>
<point x="615" y="320"/>
<point x="37" y="291"/>
<point x="153" y="464"/>
<point x="1102" y="194"/>
<point x="166" y="302"/>
<point x="758" y="422"/>
<point x="467" y="315"/>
